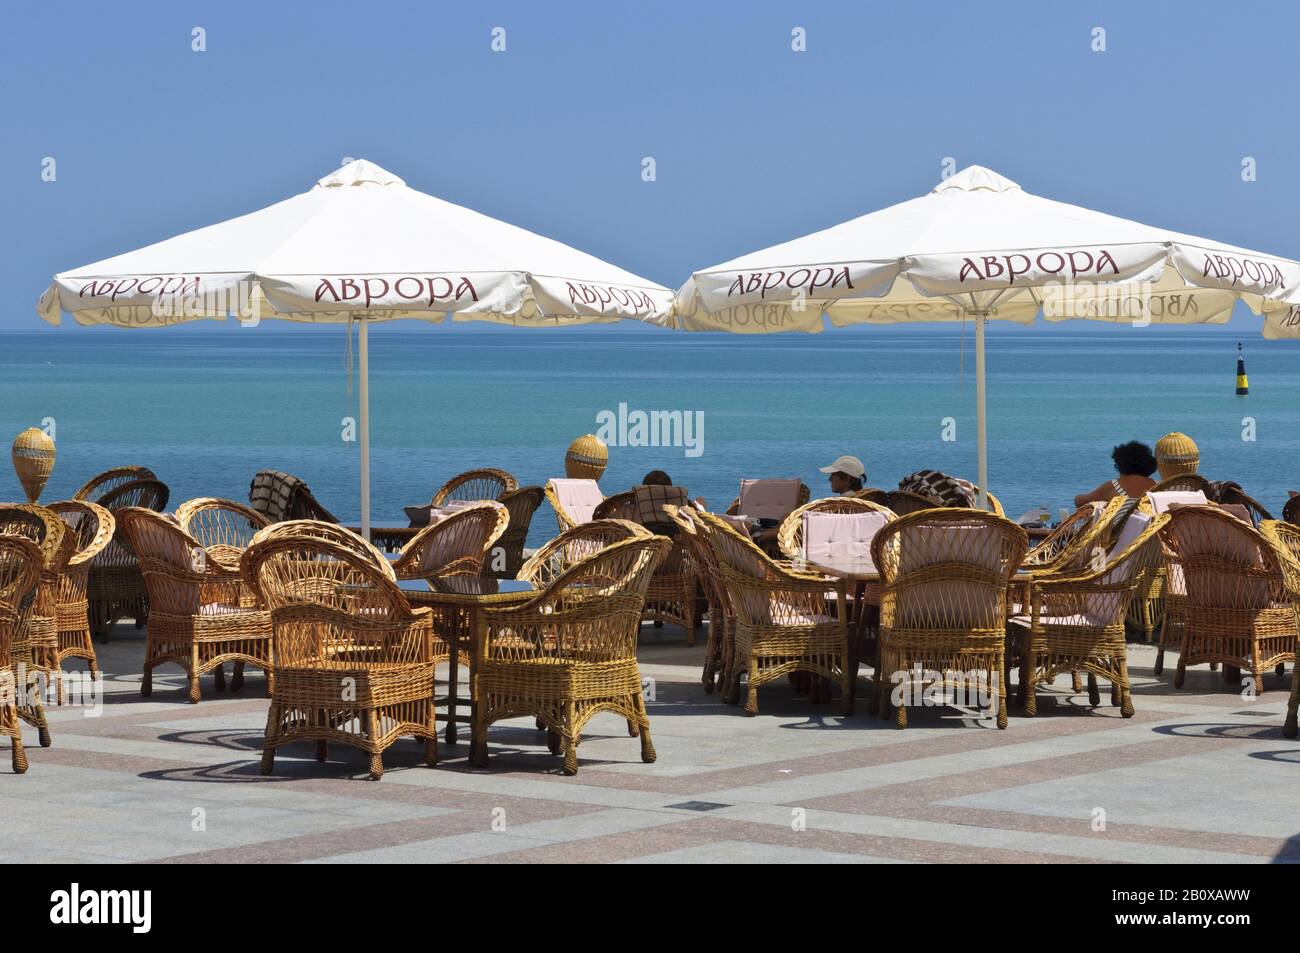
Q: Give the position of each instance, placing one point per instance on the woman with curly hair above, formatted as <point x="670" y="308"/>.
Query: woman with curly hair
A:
<point x="1135" y="464"/>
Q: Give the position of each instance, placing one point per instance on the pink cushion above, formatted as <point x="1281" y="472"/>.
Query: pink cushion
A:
<point x="769" y="499"/>
<point x="578" y="498"/>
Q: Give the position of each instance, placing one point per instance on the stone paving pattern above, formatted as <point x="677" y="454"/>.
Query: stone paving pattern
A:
<point x="1199" y="775"/>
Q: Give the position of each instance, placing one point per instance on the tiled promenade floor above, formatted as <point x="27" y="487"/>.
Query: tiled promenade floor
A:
<point x="1198" y="776"/>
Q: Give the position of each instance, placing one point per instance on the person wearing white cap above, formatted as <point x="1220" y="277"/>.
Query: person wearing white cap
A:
<point x="846" y="475"/>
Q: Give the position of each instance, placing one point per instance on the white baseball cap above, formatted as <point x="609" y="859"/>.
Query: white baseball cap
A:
<point x="850" y="465"/>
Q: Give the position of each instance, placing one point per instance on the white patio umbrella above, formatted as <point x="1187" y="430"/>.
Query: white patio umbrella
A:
<point x="358" y="246"/>
<point x="979" y="247"/>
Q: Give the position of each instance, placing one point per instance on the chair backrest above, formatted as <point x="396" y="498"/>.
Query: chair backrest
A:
<point x="769" y="499"/>
<point x="326" y="532"/>
<point x="619" y="506"/>
<point x="1065" y="535"/>
<point x="1226" y="563"/>
<point x="485" y="483"/>
<point x="521" y="504"/>
<point x="94" y="489"/>
<point x="91" y="525"/>
<point x="215" y="522"/>
<point x="589" y="613"/>
<point x="1291" y="510"/>
<point x="903" y="502"/>
<point x="1184" y="483"/>
<point x="21" y="563"/>
<point x="792" y="535"/>
<point x="456" y="545"/>
<point x="947" y="569"/>
<point x="146" y="492"/>
<point x="173" y="563"/>
<point x="57" y="541"/>
<point x="828" y="537"/>
<point x="280" y="496"/>
<point x="1230" y="495"/>
<point x="1136" y="550"/>
<point x="573" y="546"/>
<point x="1285" y="538"/>
<point x="573" y="500"/>
<point x="331" y="607"/>
<point x="1161" y="501"/>
<point x="649" y="502"/>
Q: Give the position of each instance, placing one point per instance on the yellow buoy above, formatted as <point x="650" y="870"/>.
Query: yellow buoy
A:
<point x="1243" y="385"/>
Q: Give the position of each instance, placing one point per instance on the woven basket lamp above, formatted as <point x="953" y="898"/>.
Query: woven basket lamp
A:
<point x="1176" y="453"/>
<point x="33" y="456"/>
<point x="586" y="458"/>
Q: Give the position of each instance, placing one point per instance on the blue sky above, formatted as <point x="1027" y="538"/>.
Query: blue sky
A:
<point x="753" y="143"/>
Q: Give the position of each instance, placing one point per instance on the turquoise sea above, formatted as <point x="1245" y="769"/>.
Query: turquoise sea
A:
<point x="207" y="407"/>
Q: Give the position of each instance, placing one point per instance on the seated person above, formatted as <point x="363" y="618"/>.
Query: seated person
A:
<point x="846" y="475"/>
<point x="650" y="500"/>
<point x="1135" y="464"/>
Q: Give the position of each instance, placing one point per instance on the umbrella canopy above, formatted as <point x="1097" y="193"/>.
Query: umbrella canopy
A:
<point x="980" y="247"/>
<point x="359" y="245"/>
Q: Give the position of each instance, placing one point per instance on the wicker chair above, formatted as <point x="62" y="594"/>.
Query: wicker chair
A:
<point x="92" y="526"/>
<point x="1076" y="621"/>
<point x="473" y="485"/>
<point x="100" y="484"/>
<point x="570" y="652"/>
<point x="35" y="646"/>
<point x="1239" y="612"/>
<point x="325" y="532"/>
<point x="573" y="546"/>
<point x="1286" y="540"/>
<point x="456" y="545"/>
<point x="733" y="508"/>
<point x="21" y="563"/>
<point x="280" y="496"/>
<point x="693" y="533"/>
<point x="507" y="557"/>
<point x="195" y="619"/>
<point x="115" y="589"/>
<point x="944" y="575"/>
<point x="1071" y="535"/>
<point x="354" y="660"/>
<point x="786" y="620"/>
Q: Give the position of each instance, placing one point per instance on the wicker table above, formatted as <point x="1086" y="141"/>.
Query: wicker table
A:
<point x="457" y="600"/>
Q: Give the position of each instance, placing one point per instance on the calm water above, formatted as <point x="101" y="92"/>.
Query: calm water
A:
<point x="206" y="409"/>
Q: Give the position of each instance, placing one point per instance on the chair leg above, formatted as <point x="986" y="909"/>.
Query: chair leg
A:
<point x="1160" y="662"/>
<point x="1094" y="693"/>
<point x="1125" y="687"/>
<point x="751" y="693"/>
<point x="570" y="737"/>
<point x="372" y="733"/>
<point x="18" y="755"/>
<point x="146" y="681"/>
<point x="195" y="694"/>
<point x="431" y="748"/>
<point x="1001" y="693"/>
<point x="218" y="678"/>
<point x="322" y="749"/>
<point x="648" y="754"/>
<point x="1075" y="682"/>
<point x="237" y="680"/>
<point x="1289" y="726"/>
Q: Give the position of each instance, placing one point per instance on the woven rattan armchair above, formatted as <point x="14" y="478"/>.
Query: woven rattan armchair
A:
<point x="570" y="652"/>
<point x="92" y="526"/>
<point x="324" y="532"/>
<point x="280" y="496"/>
<point x="944" y="575"/>
<point x="354" y="660"/>
<point x="21" y="563"/>
<point x="805" y="494"/>
<point x="573" y="546"/>
<point x="102" y="483"/>
<point x="224" y="529"/>
<point x="1238" y="611"/>
<point x="692" y="532"/>
<point x="1286" y="540"/>
<point x="785" y="620"/>
<point x="1076" y="621"/>
<point x="473" y="485"/>
<point x="195" y="621"/>
<point x="456" y="545"/>
<point x="507" y="556"/>
<point x="35" y="647"/>
<point x="115" y="589"/>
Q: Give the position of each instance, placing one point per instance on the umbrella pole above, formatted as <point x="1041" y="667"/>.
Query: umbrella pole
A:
<point x="979" y="402"/>
<point x="363" y="358"/>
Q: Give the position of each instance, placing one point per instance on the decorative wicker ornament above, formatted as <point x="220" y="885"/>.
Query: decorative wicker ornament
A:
<point x="586" y="458"/>
<point x="1176" y="453"/>
<point x="33" y="456"/>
